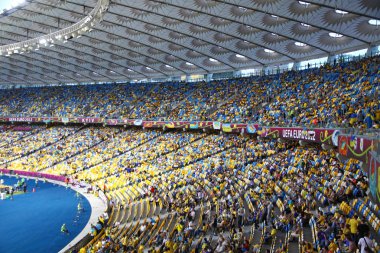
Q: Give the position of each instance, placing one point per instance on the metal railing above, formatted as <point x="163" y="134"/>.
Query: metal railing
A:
<point x="84" y="25"/>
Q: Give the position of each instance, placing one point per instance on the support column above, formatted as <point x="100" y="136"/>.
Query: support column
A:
<point x="264" y="70"/>
<point x="372" y="50"/>
<point x="209" y="77"/>
<point x="296" y="65"/>
<point x="332" y="59"/>
<point x="237" y="73"/>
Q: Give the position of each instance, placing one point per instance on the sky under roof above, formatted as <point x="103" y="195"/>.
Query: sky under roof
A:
<point x="8" y="4"/>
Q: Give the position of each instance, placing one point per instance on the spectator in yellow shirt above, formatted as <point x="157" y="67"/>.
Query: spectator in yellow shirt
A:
<point x="354" y="223"/>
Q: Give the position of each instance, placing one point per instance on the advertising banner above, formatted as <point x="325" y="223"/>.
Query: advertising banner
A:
<point x="32" y="174"/>
<point x="251" y="128"/>
<point x="216" y="125"/>
<point x="318" y="135"/>
<point x="234" y="128"/>
<point x="374" y="176"/>
<point x="357" y="147"/>
<point x="205" y="124"/>
<point x="89" y="120"/>
<point x="23" y="119"/>
<point x="153" y="124"/>
<point x="177" y="124"/>
<point x="138" y="122"/>
<point x="112" y="122"/>
<point x="194" y="125"/>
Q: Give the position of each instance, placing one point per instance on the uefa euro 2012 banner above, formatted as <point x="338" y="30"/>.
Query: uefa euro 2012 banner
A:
<point x="52" y="120"/>
<point x="318" y="135"/>
<point x="31" y="119"/>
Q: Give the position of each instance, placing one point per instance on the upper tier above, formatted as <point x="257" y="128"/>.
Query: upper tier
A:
<point x="147" y="39"/>
<point x="344" y="95"/>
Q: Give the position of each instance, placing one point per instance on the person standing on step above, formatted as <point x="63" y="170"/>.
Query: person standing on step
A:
<point x="11" y="193"/>
<point x="241" y="214"/>
<point x="64" y="229"/>
<point x="366" y="244"/>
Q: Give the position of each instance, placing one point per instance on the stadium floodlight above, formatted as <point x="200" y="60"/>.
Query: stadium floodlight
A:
<point x="335" y="35"/>
<point x="299" y="44"/>
<point x="340" y="12"/>
<point x="303" y="3"/>
<point x="43" y="42"/>
<point x="375" y="22"/>
<point x="95" y="16"/>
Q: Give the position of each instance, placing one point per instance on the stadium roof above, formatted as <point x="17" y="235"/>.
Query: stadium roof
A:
<point x="152" y="39"/>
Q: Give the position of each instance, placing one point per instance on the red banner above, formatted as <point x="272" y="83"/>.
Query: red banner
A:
<point x="112" y="122"/>
<point x="234" y="128"/>
<point x="23" y="119"/>
<point x="374" y="175"/>
<point x="357" y="147"/>
<point x="33" y="174"/>
<point x="153" y="124"/>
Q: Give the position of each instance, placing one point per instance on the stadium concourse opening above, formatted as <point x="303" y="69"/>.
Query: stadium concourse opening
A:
<point x="6" y="5"/>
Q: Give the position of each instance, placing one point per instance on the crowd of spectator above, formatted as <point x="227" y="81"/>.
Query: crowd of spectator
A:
<point x="29" y="144"/>
<point x="345" y="94"/>
<point x="193" y="191"/>
<point x="208" y="192"/>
